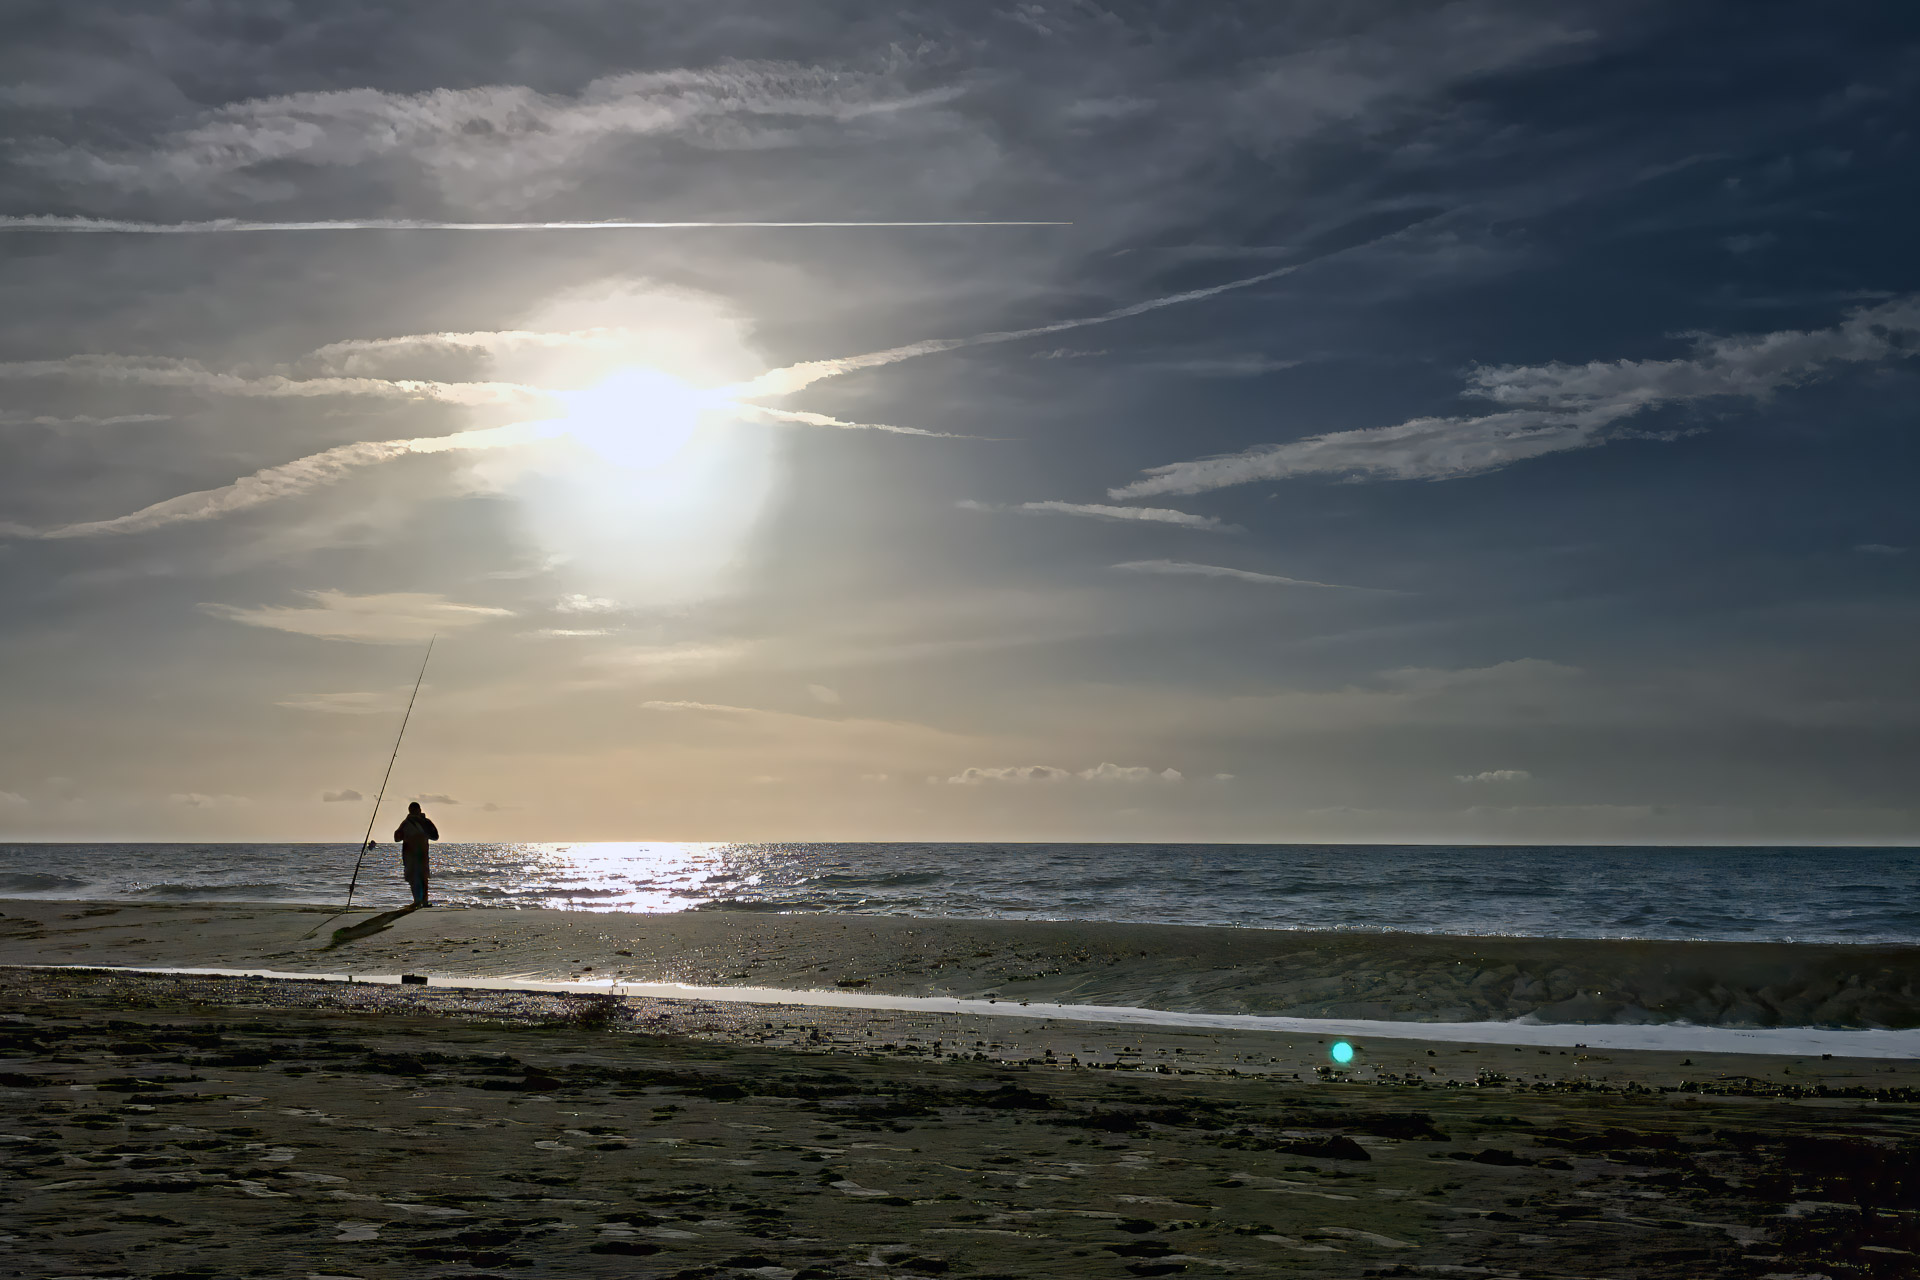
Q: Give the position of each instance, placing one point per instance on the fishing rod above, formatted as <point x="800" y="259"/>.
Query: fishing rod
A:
<point x="366" y="839"/>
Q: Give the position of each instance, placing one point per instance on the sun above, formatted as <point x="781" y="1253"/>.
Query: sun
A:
<point x="638" y="418"/>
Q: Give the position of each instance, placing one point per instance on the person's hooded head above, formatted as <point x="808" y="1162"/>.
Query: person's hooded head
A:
<point x="413" y="806"/>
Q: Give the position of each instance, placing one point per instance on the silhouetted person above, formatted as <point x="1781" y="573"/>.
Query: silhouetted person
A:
<point x="413" y="833"/>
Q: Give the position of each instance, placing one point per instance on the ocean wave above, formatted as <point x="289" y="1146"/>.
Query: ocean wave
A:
<point x="29" y="882"/>
<point x="238" y="892"/>
<point x="894" y="879"/>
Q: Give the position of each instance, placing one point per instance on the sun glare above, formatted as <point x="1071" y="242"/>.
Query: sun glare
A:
<point x="638" y="418"/>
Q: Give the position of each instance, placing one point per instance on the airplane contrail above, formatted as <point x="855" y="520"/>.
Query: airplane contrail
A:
<point x="63" y="222"/>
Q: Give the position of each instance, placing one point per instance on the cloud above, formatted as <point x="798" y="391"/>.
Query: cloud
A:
<point x="433" y="798"/>
<point x="1222" y="571"/>
<point x="331" y="465"/>
<point x="214" y="226"/>
<point x="1105" y="772"/>
<point x="400" y="617"/>
<point x="1880" y="549"/>
<point x="648" y="663"/>
<point x="1747" y="365"/>
<point x="302" y="475"/>
<point x="476" y="142"/>
<point x="797" y="376"/>
<point x="80" y="420"/>
<point x="195" y="800"/>
<point x="710" y="708"/>
<point x="1099" y="511"/>
<point x="1246" y="366"/>
<point x="1419" y="449"/>
<point x="587" y="604"/>
<point x="1022" y="775"/>
<point x="827" y="420"/>
<point x="573" y="633"/>
<point x="1495" y="775"/>
<point x="158" y="371"/>
<point x="821" y="693"/>
<point x="1556" y="407"/>
<point x="359" y="355"/>
<point x="13" y="800"/>
<point x="286" y="480"/>
<point x="340" y="797"/>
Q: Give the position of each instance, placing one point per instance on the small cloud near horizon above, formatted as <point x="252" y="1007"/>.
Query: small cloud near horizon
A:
<point x="339" y="797"/>
<point x="1046" y="773"/>
<point x="1495" y="775"/>
<point x="195" y="800"/>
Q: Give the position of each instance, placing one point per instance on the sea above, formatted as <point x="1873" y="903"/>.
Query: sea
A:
<point x="1813" y="895"/>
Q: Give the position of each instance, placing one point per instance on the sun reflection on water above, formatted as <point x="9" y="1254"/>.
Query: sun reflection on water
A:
<point x="622" y="875"/>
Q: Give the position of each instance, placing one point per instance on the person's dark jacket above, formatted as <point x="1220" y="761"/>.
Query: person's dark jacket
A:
<point x="413" y="833"/>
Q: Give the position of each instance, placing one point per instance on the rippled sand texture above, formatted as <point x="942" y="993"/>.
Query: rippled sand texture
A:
<point x="218" y="1127"/>
<point x="1390" y="976"/>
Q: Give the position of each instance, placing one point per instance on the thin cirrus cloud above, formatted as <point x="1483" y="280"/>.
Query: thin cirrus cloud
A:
<point x="1556" y="407"/>
<point x="1188" y="568"/>
<point x="286" y="480"/>
<point x="216" y="226"/>
<point x="153" y="371"/>
<point x="796" y="377"/>
<point x="475" y="139"/>
<point x="1495" y="775"/>
<point x="1026" y="774"/>
<point x="391" y="618"/>
<point x="1100" y="511"/>
<point x="340" y="797"/>
<point x="329" y="466"/>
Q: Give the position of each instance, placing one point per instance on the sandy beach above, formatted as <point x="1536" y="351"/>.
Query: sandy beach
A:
<point x="180" y="1127"/>
<point x="191" y="1127"/>
<point x="1389" y="976"/>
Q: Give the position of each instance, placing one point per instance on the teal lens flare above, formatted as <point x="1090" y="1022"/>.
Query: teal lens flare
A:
<point x="1342" y="1052"/>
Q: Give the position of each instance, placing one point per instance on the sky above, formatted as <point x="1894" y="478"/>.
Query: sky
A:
<point x="1266" y="421"/>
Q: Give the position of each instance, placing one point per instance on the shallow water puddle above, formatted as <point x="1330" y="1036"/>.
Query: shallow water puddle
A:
<point x="1298" y="1245"/>
<point x="847" y="1188"/>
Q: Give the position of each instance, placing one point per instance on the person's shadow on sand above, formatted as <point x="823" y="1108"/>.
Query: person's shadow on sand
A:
<point x="368" y="927"/>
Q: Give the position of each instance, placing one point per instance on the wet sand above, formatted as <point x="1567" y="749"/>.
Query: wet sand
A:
<point x="201" y="1127"/>
<point x="1408" y="977"/>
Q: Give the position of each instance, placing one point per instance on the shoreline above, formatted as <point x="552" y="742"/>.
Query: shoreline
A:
<point x="1171" y="969"/>
<point x="1771" y="1042"/>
